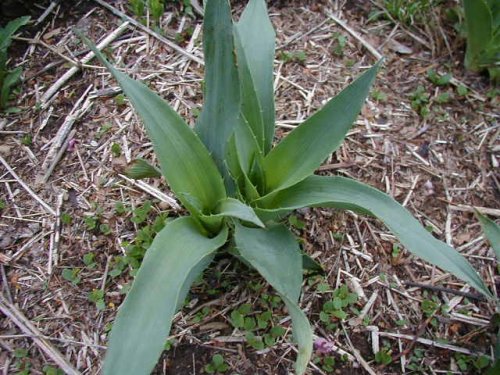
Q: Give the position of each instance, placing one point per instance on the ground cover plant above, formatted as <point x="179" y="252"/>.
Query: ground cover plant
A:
<point x="237" y="187"/>
<point x="482" y="19"/>
<point x="9" y="78"/>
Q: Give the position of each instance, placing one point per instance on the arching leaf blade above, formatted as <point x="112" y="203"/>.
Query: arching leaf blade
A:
<point x="184" y="160"/>
<point x="308" y="145"/>
<point x="344" y="193"/>
<point x="275" y="254"/>
<point x="143" y="321"/>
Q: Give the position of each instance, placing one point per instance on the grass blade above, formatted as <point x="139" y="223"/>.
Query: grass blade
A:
<point x="143" y="321"/>
<point x="478" y="20"/>
<point x="307" y="146"/>
<point x="275" y="254"/>
<point x="344" y="193"/>
<point x="184" y="160"/>
<point x="222" y="90"/>
<point x="255" y="44"/>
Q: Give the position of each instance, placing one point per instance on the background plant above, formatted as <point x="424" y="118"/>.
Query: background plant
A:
<point x="237" y="187"/>
<point x="482" y="21"/>
<point x="8" y="78"/>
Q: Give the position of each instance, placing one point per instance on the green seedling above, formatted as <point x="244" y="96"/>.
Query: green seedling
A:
<point x="379" y="96"/>
<point x="217" y="365"/>
<point x="72" y="275"/>
<point x="295" y="222"/>
<point x="22" y="363"/>
<point x="3" y="204"/>
<point x="50" y="370"/>
<point x="340" y="41"/>
<point x="89" y="260"/>
<point x="293" y="57"/>
<point x="462" y="90"/>
<point x="8" y="78"/>
<point x="383" y="357"/>
<point x="238" y="187"/>
<point x="120" y="99"/>
<point x="66" y="218"/>
<point x="443" y="98"/>
<point x="97" y="297"/>
<point x="408" y="12"/>
<point x="104" y="129"/>
<point x="438" y="79"/>
<point x="334" y="309"/>
<point x="420" y="101"/>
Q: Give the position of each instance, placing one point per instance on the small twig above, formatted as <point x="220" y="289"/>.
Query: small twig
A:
<point x="478" y="297"/>
<point x="367" y="45"/>
<point x="49" y="47"/>
<point x="295" y="38"/>
<point x="357" y="354"/>
<point x="58" y="146"/>
<point x="73" y="70"/>
<point x="17" y="317"/>
<point x="428" y="342"/>
<point x="153" y="191"/>
<point x="27" y="188"/>
<point x="47" y="11"/>
<point x="483" y="210"/>
<point x="147" y="30"/>
<point x="56" y="237"/>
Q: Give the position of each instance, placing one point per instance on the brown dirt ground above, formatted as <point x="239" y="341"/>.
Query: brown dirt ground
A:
<point x="439" y="165"/>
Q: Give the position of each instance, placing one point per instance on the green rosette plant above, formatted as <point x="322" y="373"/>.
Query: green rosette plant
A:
<point x="237" y="187"/>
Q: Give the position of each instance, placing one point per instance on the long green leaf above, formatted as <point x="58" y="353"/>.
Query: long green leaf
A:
<point x="478" y="20"/>
<point x="340" y="192"/>
<point x="184" y="160"/>
<point x="10" y="29"/>
<point x="140" y="168"/>
<point x="143" y="321"/>
<point x="255" y="43"/>
<point x="275" y="254"/>
<point x="222" y="90"/>
<point x="10" y="80"/>
<point x="307" y="146"/>
<point x="492" y="232"/>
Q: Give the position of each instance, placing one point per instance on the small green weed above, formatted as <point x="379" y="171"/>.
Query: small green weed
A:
<point x="383" y="356"/>
<point x="420" y="101"/>
<point x="50" y="370"/>
<point x="22" y="363"/>
<point x="326" y="363"/>
<point x="97" y="297"/>
<point x="407" y="12"/>
<point x="72" y="275"/>
<point x="217" y="365"/>
<point x="340" y="41"/>
<point x="8" y="78"/>
<point x="467" y="363"/>
<point x="438" y="79"/>
<point x="334" y="309"/>
<point x="379" y="96"/>
<point x="298" y="57"/>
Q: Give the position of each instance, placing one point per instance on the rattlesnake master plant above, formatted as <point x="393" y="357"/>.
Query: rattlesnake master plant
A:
<point x="237" y="187"/>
